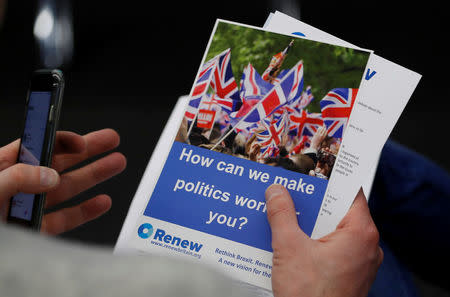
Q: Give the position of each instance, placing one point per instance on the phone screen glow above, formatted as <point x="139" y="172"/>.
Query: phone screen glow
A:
<point x="31" y="148"/>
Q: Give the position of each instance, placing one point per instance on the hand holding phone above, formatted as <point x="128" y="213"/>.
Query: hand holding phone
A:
<point x="43" y="107"/>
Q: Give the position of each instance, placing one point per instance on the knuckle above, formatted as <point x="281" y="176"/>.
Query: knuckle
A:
<point x="18" y="173"/>
<point x="4" y="162"/>
<point x="367" y="234"/>
<point x="372" y="234"/>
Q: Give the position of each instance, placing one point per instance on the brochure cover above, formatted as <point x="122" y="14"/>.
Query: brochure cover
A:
<point x="265" y="108"/>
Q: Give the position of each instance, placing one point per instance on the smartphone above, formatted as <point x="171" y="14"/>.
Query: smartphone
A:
<point x="43" y="106"/>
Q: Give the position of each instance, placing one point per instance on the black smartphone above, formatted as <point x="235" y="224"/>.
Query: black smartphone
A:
<point x="43" y="106"/>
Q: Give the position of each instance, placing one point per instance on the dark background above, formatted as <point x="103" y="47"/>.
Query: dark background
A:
<point x="130" y="63"/>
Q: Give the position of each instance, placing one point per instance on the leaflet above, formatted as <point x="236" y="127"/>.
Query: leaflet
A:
<point x="385" y="91"/>
<point x="265" y="108"/>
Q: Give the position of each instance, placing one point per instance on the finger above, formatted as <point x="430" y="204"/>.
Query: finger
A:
<point x="8" y="154"/>
<point x="26" y="179"/>
<point x="69" y="218"/>
<point x="281" y="215"/>
<point x="67" y="142"/>
<point x="97" y="143"/>
<point x="79" y="180"/>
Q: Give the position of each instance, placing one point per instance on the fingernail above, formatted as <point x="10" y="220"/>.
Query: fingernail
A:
<point x="48" y="176"/>
<point x="273" y="191"/>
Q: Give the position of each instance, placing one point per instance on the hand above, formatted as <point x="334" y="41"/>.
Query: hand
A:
<point x="254" y="151"/>
<point x="318" y="137"/>
<point x="343" y="263"/>
<point x="70" y="149"/>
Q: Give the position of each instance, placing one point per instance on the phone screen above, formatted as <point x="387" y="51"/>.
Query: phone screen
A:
<point x="31" y="148"/>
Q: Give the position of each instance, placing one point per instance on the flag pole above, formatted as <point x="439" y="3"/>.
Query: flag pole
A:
<point x="227" y="134"/>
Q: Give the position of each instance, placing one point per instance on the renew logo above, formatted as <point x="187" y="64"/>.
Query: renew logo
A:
<point x="145" y="231"/>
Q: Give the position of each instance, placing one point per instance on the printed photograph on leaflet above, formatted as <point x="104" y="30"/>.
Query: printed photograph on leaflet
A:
<point x="265" y="109"/>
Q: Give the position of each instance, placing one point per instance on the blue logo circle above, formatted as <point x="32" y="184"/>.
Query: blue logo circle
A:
<point x="145" y="230"/>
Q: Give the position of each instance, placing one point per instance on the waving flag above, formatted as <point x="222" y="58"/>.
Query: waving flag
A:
<point x="295" y="94"/>
<point x="336" y="107"/>
<point x="223" y="81"/>
<point x="253" y="88"/>
<point x="304" y="123"/>
<point x="275" y="64"/>
<point x="269" y="151"/>
<point x="228" y="105"/>
<point x="297" y="86"/>
<point x="274" y="99"/>
<point x="200" y="87"/>
<point x="272" y="135"/>
<point x="252" y="84"/>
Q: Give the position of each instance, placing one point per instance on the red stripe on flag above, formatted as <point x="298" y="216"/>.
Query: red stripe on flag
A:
<point x="226" y="103"/>
<point x="223" y="92"/>
<point x="336" y="112"/>
<point x="189" y="115"/>
<point x="255" y="89"/>
<point x="337" y="97"/>
<point x="271" y="102"/>
<point x="199" y="89"/>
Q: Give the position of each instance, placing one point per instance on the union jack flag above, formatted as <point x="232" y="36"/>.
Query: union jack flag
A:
<point x="297" y="87"/>
<point x="252" y="84"/>
<point x="228" y="105"/>
<point x="304" y="123"/>
<point x="270" y="151"/>
<point x="223" y="82"/>
<point x="274" y="99"/>
<point x="272" y="135"/>
<point x="253" y="88"/>
<point x="336" y="107"/>
<point x="200" y="88"/>
<point x="295" y="94"/>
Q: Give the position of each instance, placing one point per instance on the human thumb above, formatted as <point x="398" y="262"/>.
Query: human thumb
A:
<point x="282" y="216"/>
<point x="27" y="179"/>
